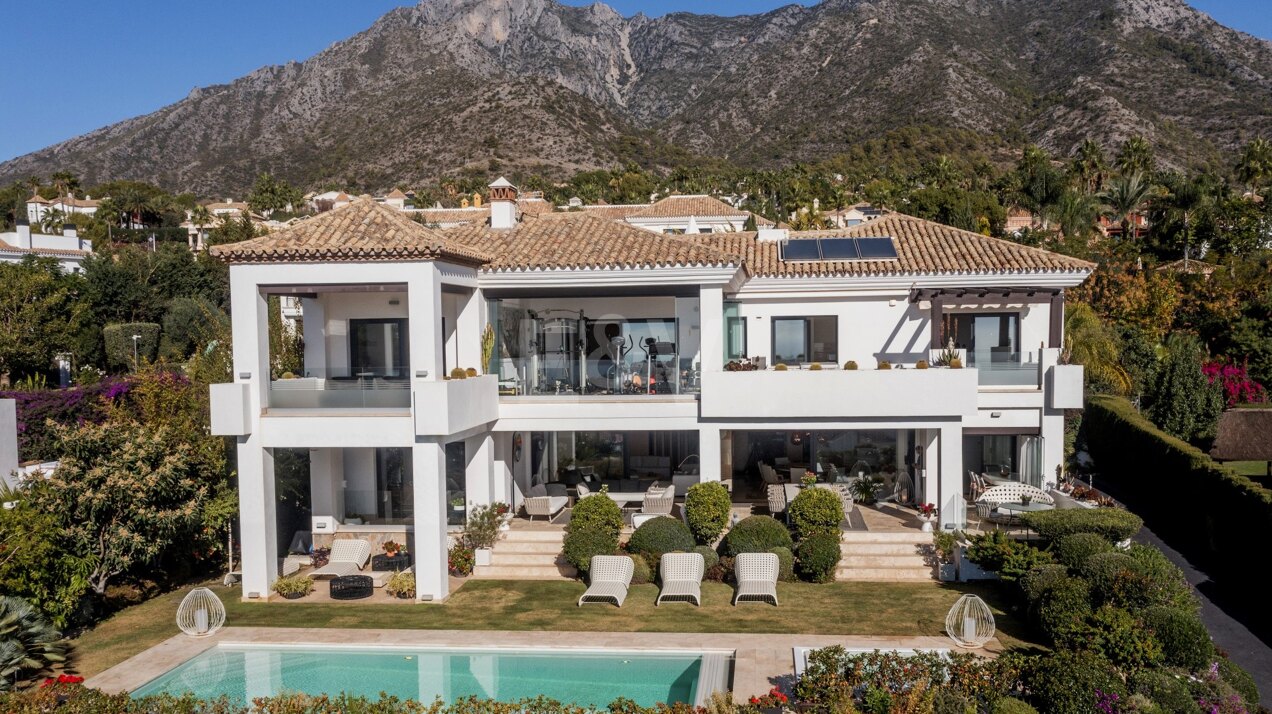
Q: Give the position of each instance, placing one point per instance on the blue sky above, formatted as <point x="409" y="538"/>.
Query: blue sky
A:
<point x="75" y="65"/>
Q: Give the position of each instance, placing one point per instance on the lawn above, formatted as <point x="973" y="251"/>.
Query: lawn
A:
<point x="1257" y="470"/>
<point x="899" y="609"/>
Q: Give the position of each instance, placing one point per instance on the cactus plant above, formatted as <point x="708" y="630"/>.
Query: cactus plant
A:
<point x="458" y="373"/>
<point x="921" y="364"/>
<point x="780" y="367"/>
<point x="850" y="364"/>
<point x="885" y="364"/>
<point x="487" y="347"/>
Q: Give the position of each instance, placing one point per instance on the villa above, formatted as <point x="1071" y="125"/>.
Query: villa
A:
<point x="68" y="248"/>
<point x="611" y="354"/>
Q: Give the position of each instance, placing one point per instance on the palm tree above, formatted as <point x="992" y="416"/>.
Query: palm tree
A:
<point x="1077" y="212"/>
<point x="65" y="182"/>
<point x="1124" y="198"/>
<point x="1135" y="156"/>
<point x="52" y="220"/>
<point x="29" y="645"/>
<point x="1089" y="166"/>
<point x="200" y="217"/>
<point x="1255" y="166"/>
<point x="1186" y="199"/>
<point x="1089" y="343"/>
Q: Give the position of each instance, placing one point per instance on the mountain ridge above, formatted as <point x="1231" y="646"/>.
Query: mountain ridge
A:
<point x="539" y="86"/>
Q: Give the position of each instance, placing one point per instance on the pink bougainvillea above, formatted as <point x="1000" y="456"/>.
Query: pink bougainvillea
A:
<point x="1238" y="388"/>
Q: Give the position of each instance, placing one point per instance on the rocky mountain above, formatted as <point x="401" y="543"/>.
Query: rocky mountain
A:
<point x="534" y="84"/>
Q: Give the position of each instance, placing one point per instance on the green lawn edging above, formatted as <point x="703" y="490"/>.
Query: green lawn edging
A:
<point x="1186" y="496"/>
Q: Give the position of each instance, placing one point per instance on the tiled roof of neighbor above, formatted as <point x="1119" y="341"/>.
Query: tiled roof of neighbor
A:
<point x="613" y="212"/>
<point x="923" y="247"/>
<point x="396" y="193"/>
<point x="77" y="202"/>
<point x="222" y="205"/>
<point x="37" y="198"/>
<point x="362" y="230"/>
<point x="454" y="215"/>
<point x="534" y="206"/>
<point x="684" y="206"/>
<point x="1244" y="435"/>
<point x="582" y="240"/>
<point x="6" y="247"/>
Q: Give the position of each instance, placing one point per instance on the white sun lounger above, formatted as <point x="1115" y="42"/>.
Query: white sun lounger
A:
<point x="610" y="576"/>
<point x="348" y="555"/>
<point x="757" y="577"/>
<point x="681" y="577"/>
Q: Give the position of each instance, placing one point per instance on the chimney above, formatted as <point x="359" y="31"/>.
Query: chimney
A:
<point x="71" y="232"/>
<point x="24" y="234"/>
<point x="503" y="204"/>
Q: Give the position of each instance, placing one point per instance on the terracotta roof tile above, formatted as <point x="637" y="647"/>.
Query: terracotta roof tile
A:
<point x="923" y="247"/>
<point x="37" y="198"/>
<point x="396" y="193"/>
<point x="685" y="206"/>
<point x="363" y="230"/>
<point x="6" y="247"/>
<point x="453" y="215"/>
<point x="582" y="240"/>
<point x="613" y="212"/>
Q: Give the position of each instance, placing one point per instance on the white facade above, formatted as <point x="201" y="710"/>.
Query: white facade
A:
<point x="395" y="450"/>
<point x="69" y="249"/>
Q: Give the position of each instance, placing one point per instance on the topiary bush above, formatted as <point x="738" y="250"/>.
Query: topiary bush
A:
<point x="1104" y="571"/>
<point x="597" y="511"/>
<point x="814" y="511"/>
<point x="1073" y="550"/>
<point x="1041" y="579"/>
<point x="1008" y="557"/>
<point x="1063" y="611"/>
<point x="707" y="508"/>
<point x="756" y="534"/>
<point x="1115" y="524"/>
<point x="817" y="557"/>
<point x="641" y="572"/>
<point x="785" y="564"/>
<point x="1123" y="639"/>
<point x="660" y="535"/>
<point x="1184" y="639"/>
<point x="118" y="341"/>
<point x="583" y="543"/>
<point x="1165" y="581"/>
<point x="1166" y="689"/>
<point x="1008" y="705"/>
<point x="1067" y="682"/>
<point x="710" y="558"/>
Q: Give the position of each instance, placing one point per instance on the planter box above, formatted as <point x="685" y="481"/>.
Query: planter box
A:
<point x="948" y="572"/>
<point x="967" y="570"/>
<point x="481" y="556"/>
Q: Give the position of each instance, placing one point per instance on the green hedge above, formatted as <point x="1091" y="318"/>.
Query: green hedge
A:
<point x="119" y="343"/>
<point x="1202" y="507"/>
<point x="1114" y="524"/>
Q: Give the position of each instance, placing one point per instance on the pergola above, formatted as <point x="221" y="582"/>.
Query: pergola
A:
<point x="941" y="298"/>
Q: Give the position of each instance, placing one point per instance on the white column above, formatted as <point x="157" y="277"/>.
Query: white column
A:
<point x="250" y="331"/>
<point x="709" y="452"/>
<point x="479" y="471"/>
<point x="711" y="314"/>
<point x="424" y="313"/>
<point x="468" y="329"/>
<point x="258" y="521"/>
<point x="931" y="465"/>
<point x="326" y="482"/>
<point x="953" y="509"/>
<point x="313" y="313"/>
<point x="501" y="484"/>
<point x="429" y="471"/>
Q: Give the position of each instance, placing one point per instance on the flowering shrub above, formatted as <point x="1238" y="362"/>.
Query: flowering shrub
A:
<point x="72" y="407"/>
<point x="775" y="698"/>
<point x="61" y="679"/>
<point x="927" y="510"/>
<point x="461" y="559"/>
<point x="1238" y="387"/>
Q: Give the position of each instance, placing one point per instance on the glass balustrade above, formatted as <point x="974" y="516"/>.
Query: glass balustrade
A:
<point x="341" y="390"/>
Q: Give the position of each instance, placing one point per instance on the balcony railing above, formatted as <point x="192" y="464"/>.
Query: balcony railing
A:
<point x="1005" y="369"/>
<point x="366" y="391"/>
<point x="549" y="377"/>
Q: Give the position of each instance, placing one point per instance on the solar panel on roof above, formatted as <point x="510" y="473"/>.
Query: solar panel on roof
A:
<point x="876" y="248"/>
<point x="839" y="249"/>
<point x="801" y="250"/>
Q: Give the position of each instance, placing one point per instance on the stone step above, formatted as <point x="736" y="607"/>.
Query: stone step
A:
<point x="885" y="537"/>
<point x="884" y="574"/>
<point x="882" y="561"/>
<point x="523" y="572"/>
<point x="527" y="535"/>
<point x="528" y="547"/>
<point x="498" y="557"/>
<point x="882" y="548"/>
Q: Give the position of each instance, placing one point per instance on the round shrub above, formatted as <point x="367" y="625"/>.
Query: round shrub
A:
<point x="816" y="510"/>
<point x="1184" y="640"/>
<point x="660" y="535"/>
<point x="1167" y="690"/>
<point x="1115" y="524"/>
<point x="583" y="543"/>
<point x="1074" y="549"/>
<point x="951" y="701"/>
<point x="817" y="556"/>
<point x="721" y="572"/>
<point x="1008" y="705"/>
<point x="710" y="558"/>
<point x="1165" y="582"/>
<point x="596" y="512"/>
<point x="756" y="534"/>
<point x="1062" y="612"/>
<point x="1103" y="570"/>
<point x="785" y="564"/>
<point x="1123" y="639"/>
<point x="1041" y="579"/>
<point x="1240" y="680"/>
<point x="707" y="508"/>
<point x="1066" y="682"/>
<point x="641" y="572"/>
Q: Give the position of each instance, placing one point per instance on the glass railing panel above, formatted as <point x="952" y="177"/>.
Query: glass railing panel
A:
<point x="1004" y="370"/>
<point x="341" y="392"/>
<point x="554" y="376"/>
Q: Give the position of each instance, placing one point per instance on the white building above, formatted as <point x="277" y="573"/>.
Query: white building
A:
<point x="37" y="206"/>
<point x="68" y="248"/>
<point x="610" y="361"/>
<point x="853" y="215"/>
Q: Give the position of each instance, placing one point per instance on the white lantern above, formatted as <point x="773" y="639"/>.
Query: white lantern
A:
<point x="201" y="613"/>
<point x="970" y="623"/>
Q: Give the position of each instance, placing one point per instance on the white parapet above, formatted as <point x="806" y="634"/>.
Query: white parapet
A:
<point x="1064" y="387"/>
<point x="840" y="393"/>
<point x="451" y="406"/>
<point x="230" y="415"/>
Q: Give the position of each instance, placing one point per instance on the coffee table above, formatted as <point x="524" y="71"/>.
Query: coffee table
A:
<point x="352" y="587"/>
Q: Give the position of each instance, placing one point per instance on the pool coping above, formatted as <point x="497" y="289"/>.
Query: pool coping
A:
<point x="761" y="661"/>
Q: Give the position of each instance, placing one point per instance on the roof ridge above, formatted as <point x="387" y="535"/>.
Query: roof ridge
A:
<point x="980" y="236"/>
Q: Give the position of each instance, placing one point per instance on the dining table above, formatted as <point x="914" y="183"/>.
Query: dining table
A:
<point x="1018" y="507"/>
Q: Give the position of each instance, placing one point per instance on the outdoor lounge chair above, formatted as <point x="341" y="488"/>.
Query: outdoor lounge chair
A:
<point x="776" y="499"/>
<point x="539" y="503"/>
<point x="757" y="577"/>
<point x="609" y="576"/>
<point x="681" y="577"/>
<point x="348" y="555"/>
<point x="658" y="501"/>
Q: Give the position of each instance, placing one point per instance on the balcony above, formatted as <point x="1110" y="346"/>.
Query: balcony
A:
<point x="366" y="391"/>
<point x="446" y="407"/>
<point x="838" y="393"/>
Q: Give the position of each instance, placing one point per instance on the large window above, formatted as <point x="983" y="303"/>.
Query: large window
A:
<point x="989" y="338"/>
<point x="734" y="332"/>
<point x="456" y="482"/>
<point x="805" y="339"/>
<point x="378" y="348"/>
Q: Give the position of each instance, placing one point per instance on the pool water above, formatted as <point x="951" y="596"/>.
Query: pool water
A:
<point x="243" y="673"/>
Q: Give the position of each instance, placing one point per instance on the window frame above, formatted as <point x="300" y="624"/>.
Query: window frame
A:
<point x="809" y="334"/>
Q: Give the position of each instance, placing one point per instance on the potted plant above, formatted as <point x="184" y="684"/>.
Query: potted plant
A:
<point x="504" y="512"/>
<point x="460" y="560"/>
<point x="457" y="504"/>
<point x="392" y="548"/>
<point x="863" y="489"/>
<point x="294" y="586"/>
<point x="1026" y="499"/>
<point x="808" y="479"/>
<point x="319" y="556"/>
<point x="850" y="364"/>
<point x="772" y="703"/>
<point x="482" y="531"/>
<point x="944" y="543"/>
<point x="927" y="512"/>
<point x="401" y="586"/>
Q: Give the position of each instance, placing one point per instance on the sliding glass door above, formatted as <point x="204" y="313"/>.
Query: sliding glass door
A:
<point x="798" y="340"/>
<point x="378" y="348"/>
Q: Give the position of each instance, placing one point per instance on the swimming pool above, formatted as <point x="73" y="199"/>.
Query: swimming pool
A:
<point x="583" y="677"/>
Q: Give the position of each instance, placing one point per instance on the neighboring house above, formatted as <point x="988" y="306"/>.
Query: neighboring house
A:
<point x="610" y="353"/>
<point x="853" y="215"/>
<point x="1113" y="229"/>
<point x="1020" y="220"/>
<point x="676" y="214"/>
<point x="68" y="248"/>
<point x="227" y="209"/>
<point x="37" y="206"/>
